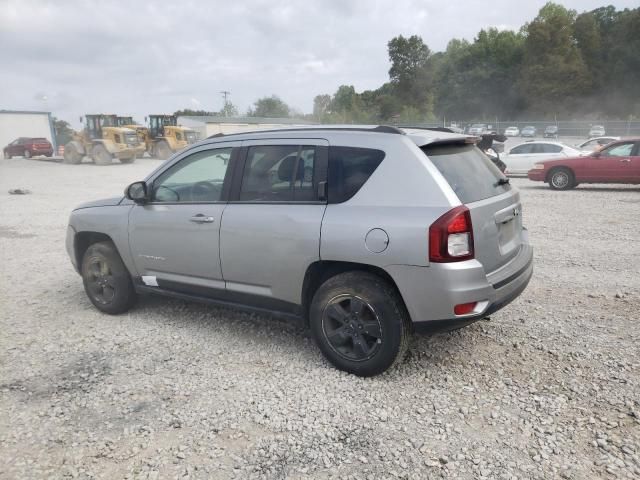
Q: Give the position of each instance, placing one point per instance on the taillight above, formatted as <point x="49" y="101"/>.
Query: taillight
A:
<point x="451" y="237"/>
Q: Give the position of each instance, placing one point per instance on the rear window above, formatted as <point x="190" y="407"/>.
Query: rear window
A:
<point x="349" y="169"/>
<point x="469" y="172"/>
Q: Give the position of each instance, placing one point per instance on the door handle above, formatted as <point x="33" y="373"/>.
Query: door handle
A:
<point x="200" y="218"/>
<point x="625" y="160"/>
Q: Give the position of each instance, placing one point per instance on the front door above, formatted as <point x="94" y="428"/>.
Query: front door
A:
<point x="271" y="228"/>
<point x="613" y="164"/>
<point x="174" y="239"/>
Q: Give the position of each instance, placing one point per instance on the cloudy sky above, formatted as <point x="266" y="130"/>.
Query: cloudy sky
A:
<point x="139" y="57"/>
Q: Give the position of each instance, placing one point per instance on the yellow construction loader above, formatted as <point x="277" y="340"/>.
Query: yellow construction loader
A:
<point x="103" y="140"/>
<point x="164" y="137"/>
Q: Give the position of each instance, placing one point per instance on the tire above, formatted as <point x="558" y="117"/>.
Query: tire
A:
<point x="6" y="155"/>
<point x="561" y="179"/>
<point x="106" y="280"/>
<point x="71" y="154"/>
<point x="26" y="154"/>
<point x="100" y="155"/>
<point x="162" y="150"/>
<point x="128" y="160"/>
<point x="360" y="323"/>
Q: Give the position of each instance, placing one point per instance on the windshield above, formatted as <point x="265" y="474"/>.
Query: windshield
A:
<point x="469" y="172"/>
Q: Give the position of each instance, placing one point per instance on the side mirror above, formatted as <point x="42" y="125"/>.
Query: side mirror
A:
<point x="596" y="153"/>
<point x="137" y="192"/>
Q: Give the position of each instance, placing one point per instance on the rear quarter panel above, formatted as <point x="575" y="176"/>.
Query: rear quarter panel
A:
<point x="403" y="197"/>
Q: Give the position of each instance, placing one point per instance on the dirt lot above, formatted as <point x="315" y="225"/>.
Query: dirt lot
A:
<point x="547" y="388"/>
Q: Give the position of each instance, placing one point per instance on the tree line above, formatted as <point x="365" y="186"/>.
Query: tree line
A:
<point x="560" y="65"/>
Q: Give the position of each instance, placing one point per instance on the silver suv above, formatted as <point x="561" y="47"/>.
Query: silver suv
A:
<point x="366" y="233"/>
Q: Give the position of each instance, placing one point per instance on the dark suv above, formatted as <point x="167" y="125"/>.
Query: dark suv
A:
<point x="28" y="147"/>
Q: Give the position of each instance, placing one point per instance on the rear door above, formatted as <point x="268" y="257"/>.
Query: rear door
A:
<point x="520" y="158"/>
<point x="270" y="230"/>
<point x="496" y="211"/>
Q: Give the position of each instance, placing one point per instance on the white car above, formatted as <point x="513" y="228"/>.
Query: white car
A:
<point x="512" y="132"/>
<point x="521" y="158"/>
<point x="595" y="143"/>
<point x="597" y="131"/>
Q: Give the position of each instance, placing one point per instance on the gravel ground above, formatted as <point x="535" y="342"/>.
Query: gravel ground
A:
<point x="547" y="388"/>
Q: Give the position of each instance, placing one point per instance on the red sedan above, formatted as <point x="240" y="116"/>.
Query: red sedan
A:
<point x="618" y="162"/>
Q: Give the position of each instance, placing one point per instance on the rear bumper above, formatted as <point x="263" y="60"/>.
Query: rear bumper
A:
<point x="431" y="293"/>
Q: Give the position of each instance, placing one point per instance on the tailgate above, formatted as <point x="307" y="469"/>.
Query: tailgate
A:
<point x="497" y="229"/>
<point x="493" y="204"/>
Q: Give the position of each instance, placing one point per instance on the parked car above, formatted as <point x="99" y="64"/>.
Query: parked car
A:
<point x="551" y="132"/>
<point x="529" y="131"/>
<point x="595" y="144"/>
<point x="597" y="131"/>
<point x="520" y="159"/>
<point x="512" y="131"/>
<point x="344" y="228"/>
<point x="28" y="147"/>
<point x="618" y="162"/>
<point x="478" y="129"/>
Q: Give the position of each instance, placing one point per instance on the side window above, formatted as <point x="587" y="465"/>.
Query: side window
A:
<point x="279" y="173"/>
<point x="548" y="148"/>
<point x="349" y="169"/>
<point x="196" y="178"/>
<point x="620" y="150"/>
<point x="521" y="149"/>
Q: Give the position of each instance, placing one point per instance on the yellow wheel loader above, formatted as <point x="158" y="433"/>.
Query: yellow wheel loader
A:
<point x="103" y="140"/>
<point x="165" y="137"/>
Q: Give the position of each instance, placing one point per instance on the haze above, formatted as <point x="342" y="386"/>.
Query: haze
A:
<point x="135" y="58"/>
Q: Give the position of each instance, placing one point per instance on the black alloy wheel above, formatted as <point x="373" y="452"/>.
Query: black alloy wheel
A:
<point x="352" y="328"/>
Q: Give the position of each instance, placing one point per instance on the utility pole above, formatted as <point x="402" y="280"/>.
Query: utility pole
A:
<point x="225" y="94"/>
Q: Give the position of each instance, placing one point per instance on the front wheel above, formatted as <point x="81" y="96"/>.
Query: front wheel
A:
<point x="6" y="155"/>
<point x="162" y="150"/>
<point x="360" y="323"/>
<point x="561" y="179"/>
<point x="27" y="154"/>
<point x="100" y="155"/>
<point x="106" y="279"/>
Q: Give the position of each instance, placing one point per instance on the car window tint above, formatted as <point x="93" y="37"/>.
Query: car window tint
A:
<point x="279" y="173"/>
<point x="349" y="169"/>
<point x="548" y="148"/>
<point x="620" y="150"/>
<point x="469" y="172"/>
<point x="196" y="178"/>
<point x="522" y="149"/>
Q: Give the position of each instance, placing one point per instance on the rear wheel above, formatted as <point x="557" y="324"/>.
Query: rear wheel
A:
<point x="71" y="154"/>
<point x="360" y="323"/>
<point x="100" y="155"/>
<point x="106" y="279"/>
<point x="162" y="150"/>
<point x="26" y="154"/>
<point x="561" y="179"/>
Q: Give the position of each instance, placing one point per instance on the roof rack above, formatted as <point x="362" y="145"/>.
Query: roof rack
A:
<point x="378" y="129"/>
<point x="433" y="129"/>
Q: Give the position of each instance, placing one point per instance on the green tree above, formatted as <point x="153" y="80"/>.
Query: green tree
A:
<point x="411" y="74"/>
<point x="271" y="106"/>
<point x="554" y="75"/>
<point x="229" y="110"/>
<point x="321" y="105"/>
<point x="63" y="131"/>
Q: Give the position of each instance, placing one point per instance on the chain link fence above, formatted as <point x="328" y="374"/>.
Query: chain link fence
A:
<point x="566" y="128"/>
